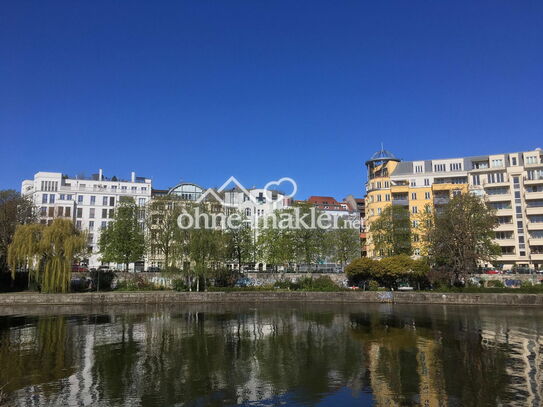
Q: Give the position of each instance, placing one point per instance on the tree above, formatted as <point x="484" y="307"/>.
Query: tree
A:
<point x="344" y="243"/>
<point x="15" y="209"/>
<point x="460" y="235"/>
<point x="123" y="240"/>
<point x="164" y="234"/>
<point x="309" y="243"/>
<point x="48" y="252"/>
<point x="240" y="242"/>
<point x="391" y="231"/>
<point x="361" y="270"/>
<point x="275" y="245"/>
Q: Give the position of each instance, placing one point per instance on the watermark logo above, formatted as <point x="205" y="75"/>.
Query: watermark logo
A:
<point x="261" y="208"/>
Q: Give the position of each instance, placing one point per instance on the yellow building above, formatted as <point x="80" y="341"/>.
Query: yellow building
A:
<point x="511" y="183"/>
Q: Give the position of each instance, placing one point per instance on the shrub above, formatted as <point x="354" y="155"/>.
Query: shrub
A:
<point x="495" y="284"/>
<point x="323" y="283"/>
<point x="136" y="283"/>
<point x="179" y="285"/>
<point x="102" y="280"/>
<point x="373" y="286"/>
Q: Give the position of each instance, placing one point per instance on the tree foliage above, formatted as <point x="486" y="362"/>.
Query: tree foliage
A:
<point x="164" y="235"/>
<point x="15" y="210"/>
<point x="391" y="232"/>
<point x="123" y="240"/>
<point x="460" y="235"/>
<point x="47" y="252"/>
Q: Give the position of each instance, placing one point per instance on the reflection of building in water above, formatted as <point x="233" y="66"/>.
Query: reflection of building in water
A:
<point x="391" y="353"/>
<point x="524" y="352"/>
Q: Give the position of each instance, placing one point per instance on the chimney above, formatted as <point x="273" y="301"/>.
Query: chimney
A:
<point x="100" y="175"/>
<point x="133" y="176"/>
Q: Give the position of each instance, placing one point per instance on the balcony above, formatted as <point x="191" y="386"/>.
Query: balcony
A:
<point x="534" y="210"/>
<point x="400" y="202"/>
<point x="536" y="241"/>
<point x="534" y="225"/>
<point x="533" y="181"/>
<point x="506" y="242"/>
<point x="507" y="257"/>
<point x="534" y="195"/>
<point x="441" y="200"/>
<point x="504" y="212"/>
<point x="498" y="197"/>
<point x="536" y="256"/>
<point x="399" y="188"/>
<point x="504" y="227"/>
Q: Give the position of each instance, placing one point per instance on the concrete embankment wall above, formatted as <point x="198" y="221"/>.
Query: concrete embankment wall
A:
<point x="168" y="297"/>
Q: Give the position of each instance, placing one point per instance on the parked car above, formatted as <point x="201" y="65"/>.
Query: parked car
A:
<point x="153" y="269"/>
<point x="492" y="272"/>
<point x="79" y="268"/>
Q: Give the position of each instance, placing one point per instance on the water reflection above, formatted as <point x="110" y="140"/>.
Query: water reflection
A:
<point x="297" y="355"/>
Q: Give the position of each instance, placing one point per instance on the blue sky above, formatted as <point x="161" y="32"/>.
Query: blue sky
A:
<point x="201" y="90"/>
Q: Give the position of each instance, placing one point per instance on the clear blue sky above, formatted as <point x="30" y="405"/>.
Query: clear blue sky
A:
<point x="201" y="90"/>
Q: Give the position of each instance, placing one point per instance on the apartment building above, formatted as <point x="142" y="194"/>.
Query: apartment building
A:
<point x="88" y="201"/>
<point x="511" y="183"/>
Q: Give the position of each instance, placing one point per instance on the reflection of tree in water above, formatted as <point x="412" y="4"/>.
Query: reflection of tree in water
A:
<point x="435" y="364"/>
<point x="225" y="359"/>
<point x="35" y="355"/>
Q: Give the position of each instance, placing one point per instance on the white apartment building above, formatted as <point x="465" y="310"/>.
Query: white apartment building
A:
<point x="88" y="201"/>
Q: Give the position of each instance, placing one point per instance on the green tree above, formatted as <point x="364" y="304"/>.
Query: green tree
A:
<point x="123" y="240"/>
<point x="164" y="235"/>
<point x="275" y="246"/>
<point x="240" y="240"/>
<point x="48" y="252"/>
<point x="362" y="270"/>
<point x="15" y="210"/>
<point x="391" y="231"/>
<point x="460" y="235"/>
<point x="344" y="243"/>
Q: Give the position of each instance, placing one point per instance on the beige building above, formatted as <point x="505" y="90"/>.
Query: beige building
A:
<point x="511" y="183"/>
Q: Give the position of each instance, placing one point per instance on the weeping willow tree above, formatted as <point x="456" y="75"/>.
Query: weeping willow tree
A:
<point x="47" y="252"/>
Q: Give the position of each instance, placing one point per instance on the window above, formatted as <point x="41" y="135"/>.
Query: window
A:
<point x="112" y="201"/>
<point x="44" y="198"/>
<point x="513" y="160"/>
<point x="476" y="180"/>
<point x="79" y="213"/>
<point x="415" y="209"/>
<point x="104" y="201"/>
<point x="141" y="201"/>
<point x="455" y="166"/>
<point x="104" y="224"/>
<point x="78" y="224"/>
<point x="415" y="237"/>
<point x="143" y="189"/>
<point x="111" y="213"/>
<point x="91" y="213"/>
<point x="134" y="189"/>
<point x="497" y="163"/>
<point x="416" y="252"/>
<point x="426" y="181"/>
<point x="387" y="197"/>
<point x="80" y="199"/>
<point x="415" y="223"/>
<point x="114" y="188"/>
<point x="531" y="160"/>
<point x="67" y="211"/>
<point x="62" y="197"/>
<point x="379" y="210"/>
<point x="413" y="195"/>
<point x="495" y="177"/>
<point x="413" y="183"/>
<point x="51" y="198"/>
<point x="247" y="211"/>
<point x="93" y="200"/>
<point x="378" y="198"/>
<point x="91" y="225"/>
<point x="51" y="211"/>
<point x="427" y="195"/>
<point x="418" y="168"/>
<point x="104" y="213"/>
<point x="43" y="211"/>
<point x="439" y="167"/>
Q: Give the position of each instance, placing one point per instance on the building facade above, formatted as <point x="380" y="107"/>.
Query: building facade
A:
<point x="89" y="202"/>
<point x="511" y="183"/>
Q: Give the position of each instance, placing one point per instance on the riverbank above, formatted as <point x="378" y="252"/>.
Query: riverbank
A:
<point x="167" y="297"/>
